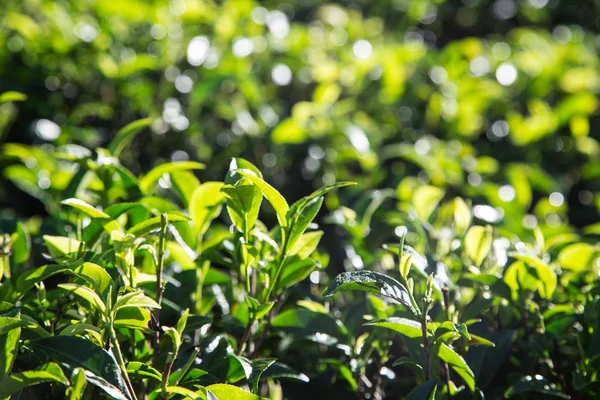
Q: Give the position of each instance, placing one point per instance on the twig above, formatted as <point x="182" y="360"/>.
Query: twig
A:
<point x="449" y="317"/>
<point x="167" y="372"/>
<point x="425" y="345"/>
<point x="159" y="271"/>
<point x="245" y="336"/>
<point x="274" y="311"/>
<point x="121" y="361"/>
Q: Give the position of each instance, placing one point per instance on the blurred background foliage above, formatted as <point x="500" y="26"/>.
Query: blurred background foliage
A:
<point x="492" y="100"/>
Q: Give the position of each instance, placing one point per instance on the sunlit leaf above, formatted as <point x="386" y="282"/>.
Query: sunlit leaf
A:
<point x="156" y="173"/>
<point x="229" y="392"/>
<point x="370" y="281"/>
<point x="457" y="363"/>
<point x="478" y="243"/>
<point x="12" y="96"/>
<point x="404" y="326"/>
<point x="85" y="293"/>
<point x="279" y="204"/>
<point x="425" y="199"/>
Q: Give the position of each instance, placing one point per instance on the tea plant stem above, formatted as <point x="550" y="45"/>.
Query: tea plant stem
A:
<point x="121" y="360"/>
<point x="187" y="366"/>
<point x="413" y="301"/>
<point x="161" y="257"/>
<point x="447" y="373"/>
<point x="445" y="293"/>
<point x="267" y="327"/>
<point x="245" y="336"/>
<point x="167" y="372"/>
<point x="159" y="269"/>
<point x="425" y="345"/>
<point x="279" y="268"/>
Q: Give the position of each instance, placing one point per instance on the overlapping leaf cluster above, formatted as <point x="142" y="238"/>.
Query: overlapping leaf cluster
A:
<point x="163" y="234"/>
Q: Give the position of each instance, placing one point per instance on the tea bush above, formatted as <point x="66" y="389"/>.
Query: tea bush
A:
<point x="243" y="200"/>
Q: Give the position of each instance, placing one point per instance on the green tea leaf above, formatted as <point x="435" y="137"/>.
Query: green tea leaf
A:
<point x="182" y="322"/>
<point x="303" y="322"/>
<point x="425" y="199"/>
<point x="143" y="228"/>
<point x="478" y="243"/>
<point x="7" y="324"/>
<point x="85" y="293"/>
<point x="87" y="209"/>
<point x="50" y="372"/>
<point x="279" y="204"/>
<point x="299" y="222"/>
<point x="78" y="384"/>
<point x="126" y="135"/>
<point x="60" y="246"/>
<point x="22" y="247"/>
<point x="462" y="216"/>
<point x="425" y="391"/>
<point x="409" y="328"/>
<point x="94" y="274"/>
<point x="133" y="318"/>
<point x="187" y="393"/>
<point x="278" y="370"/>
<point x="229" y="392"/>
<point x="12" y="96"/>
<point x="9" y="346"/>
<point x="296" y="270"/>
<point x="205" y="205"/>
<point x="545" y="274"/>
<point x="143" y="370"/>
<point x="136" y="300"/>
<point x="370" y="281"/>
<point x="156" y="173"/>
<point x="578" y="257"/>
<point x="29" y="278"/>
<point x="102" y="369"/>
<point x="243" y="204"/>
<point x="306" y="244"/>
<point x="175" y="337"/>
<point x="534" y="384"/>
<point x="412" y="365"/>
<point x="258" y="367"/>
<point x="457" y="363"/>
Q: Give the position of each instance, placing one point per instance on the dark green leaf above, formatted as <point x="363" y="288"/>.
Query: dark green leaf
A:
<point x="143" y="370"/>
<point x="50" y="372"/>
<point x="535" y="384"/>
<point x="258" y="367"/>
<point x="425" y="391"/>
<point x="102" y="368"/>
<point x="304" y="322"/>
<point x="278" y="371"/>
